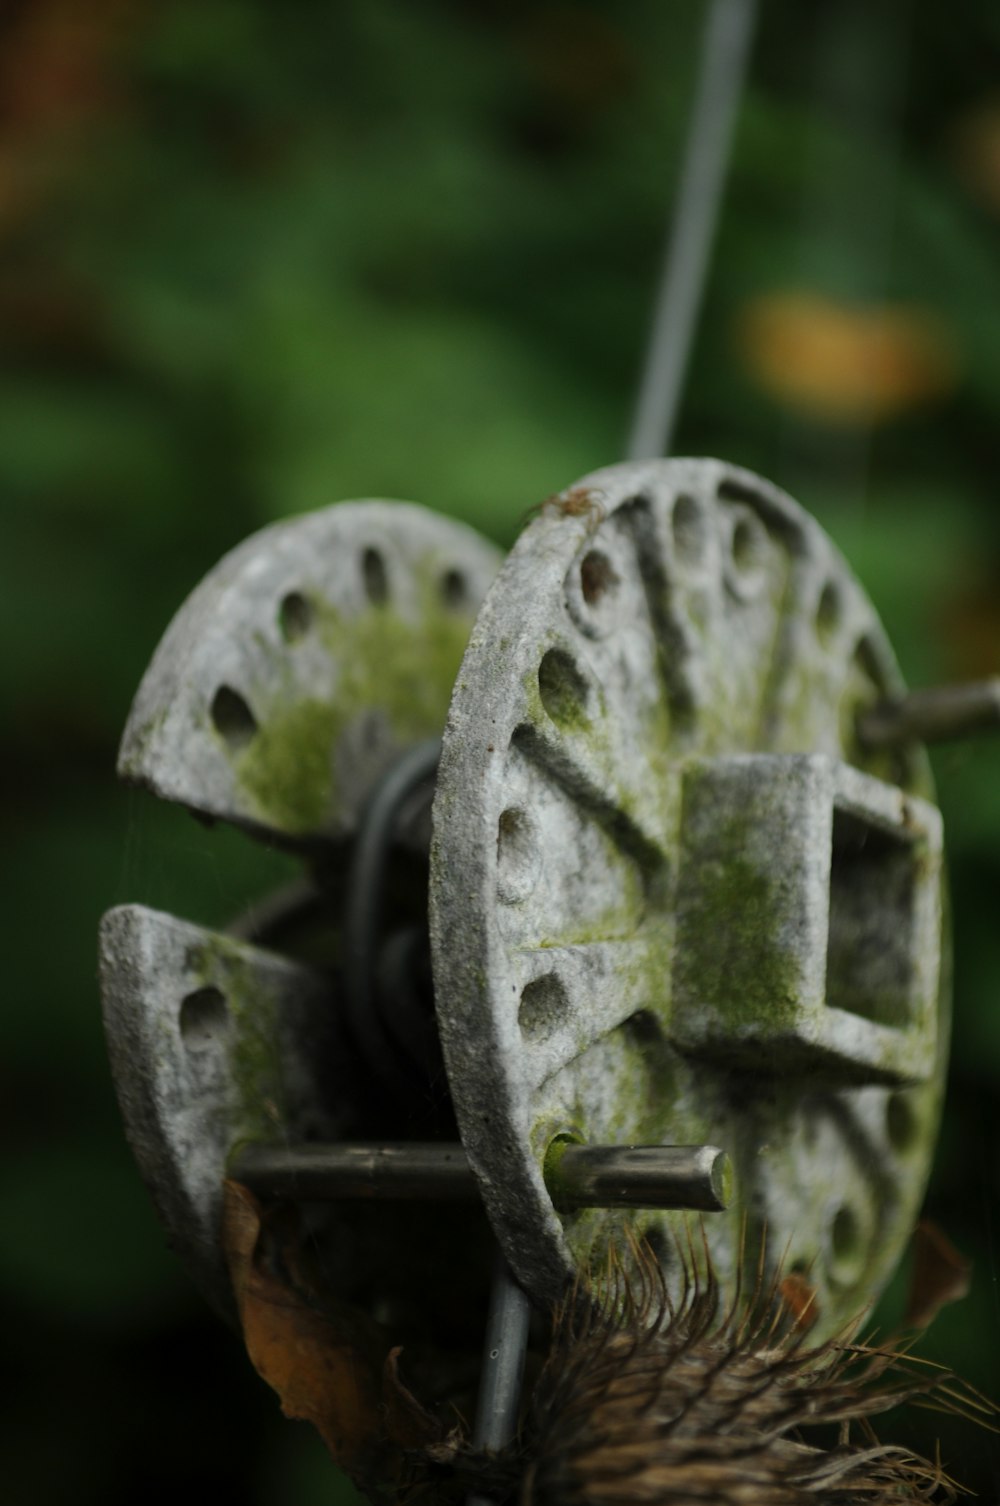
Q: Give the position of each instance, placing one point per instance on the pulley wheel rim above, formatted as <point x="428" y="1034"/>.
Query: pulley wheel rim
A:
<point x="300" y="669"/>
<point x="649" y="616"/>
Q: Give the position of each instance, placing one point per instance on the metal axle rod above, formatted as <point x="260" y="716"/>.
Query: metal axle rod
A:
<point x="932" y="716"/>
<point x="579" y="1176"/>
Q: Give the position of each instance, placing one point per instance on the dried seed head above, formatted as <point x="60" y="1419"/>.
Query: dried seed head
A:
<point x="645" y="1399"/>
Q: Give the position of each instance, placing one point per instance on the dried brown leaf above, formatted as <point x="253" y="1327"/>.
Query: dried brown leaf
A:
<point x="325" y="1364"/>
<point x="941" y="1274"/>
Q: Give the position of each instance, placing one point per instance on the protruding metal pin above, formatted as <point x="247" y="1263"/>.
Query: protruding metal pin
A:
<point x="933" y="716"/>
<point x="578" y="1176"/>
<point x="639" y="1176"/>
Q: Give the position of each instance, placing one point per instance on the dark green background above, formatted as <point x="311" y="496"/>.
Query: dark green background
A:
<point x="257" y="257"/>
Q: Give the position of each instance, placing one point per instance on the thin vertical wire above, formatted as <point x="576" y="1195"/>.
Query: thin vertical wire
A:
<point x="503" y="1365"/>
<point x="724" y="54"/>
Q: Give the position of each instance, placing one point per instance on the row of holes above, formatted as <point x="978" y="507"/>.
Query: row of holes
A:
<point x="453" y="587"/>
<point x="231" y="714"/>
<point x="204" y="1021"/>
<point x="562" y="685"/>
<point x="296" y="614"/>
<point x="689" y="526"/>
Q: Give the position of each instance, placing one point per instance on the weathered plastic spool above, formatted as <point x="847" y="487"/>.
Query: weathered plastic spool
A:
<point x="675" y="898"/>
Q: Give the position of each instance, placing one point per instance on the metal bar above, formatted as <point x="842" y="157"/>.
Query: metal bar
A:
<point x="639" y="1176"/>
<point x="933" y="716"/>
<point x="504" y="1351"/>
<point x="724" y="55"/>
<point x="604" y="1176"/>
<point x="325" y="1173"/>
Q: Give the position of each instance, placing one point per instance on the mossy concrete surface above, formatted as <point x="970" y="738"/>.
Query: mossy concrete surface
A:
<point x="213" y="1043"/>
<point x="675" y="898"/>
<point x="304" y="663"/>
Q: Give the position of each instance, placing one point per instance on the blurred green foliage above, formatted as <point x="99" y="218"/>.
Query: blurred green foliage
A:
<point x="256" y="258"/>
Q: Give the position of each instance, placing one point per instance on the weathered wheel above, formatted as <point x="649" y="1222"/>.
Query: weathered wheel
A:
<point x="674" y="898"/>
<point x="302" y="667"/>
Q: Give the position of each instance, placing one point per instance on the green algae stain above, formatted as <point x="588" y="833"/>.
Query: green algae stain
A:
<point x="254" y="1055"/>
<point x="384" y="665"/>
<point x="735" y="959"/>
<point x="287" y="771"/>
<point x="551" y="1166"/>
<point x="256" y="1068"/>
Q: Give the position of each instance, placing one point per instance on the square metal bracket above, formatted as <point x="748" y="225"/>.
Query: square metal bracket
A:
<point x="808" y="920"/>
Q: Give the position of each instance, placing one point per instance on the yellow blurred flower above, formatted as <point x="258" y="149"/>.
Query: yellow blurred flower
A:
<point x="845" y="363"/>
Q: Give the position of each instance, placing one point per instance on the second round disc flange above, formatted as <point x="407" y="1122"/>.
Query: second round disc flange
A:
<point x="673" y="899"/>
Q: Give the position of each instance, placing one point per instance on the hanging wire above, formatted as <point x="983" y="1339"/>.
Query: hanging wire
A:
<point x="722" y="69"/>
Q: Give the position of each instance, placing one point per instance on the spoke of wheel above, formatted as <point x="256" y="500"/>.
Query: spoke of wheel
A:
<point x="606" y="983"/>
<point x="568" y="763"/>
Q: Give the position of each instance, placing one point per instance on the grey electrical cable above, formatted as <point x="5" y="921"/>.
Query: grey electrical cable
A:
<point x="365" y="888"/>
<point x="724" y="56"/>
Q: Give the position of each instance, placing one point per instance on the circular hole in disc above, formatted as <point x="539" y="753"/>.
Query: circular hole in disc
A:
<point x="295" y="615"/>
<point x="689" y="529"/>
<point x="204" y="1019"/>
<point x="232" y="717"/>
<point x="454" y="590"/>
<point x="543" y="1007"/>
<point x="829" y="611"/>
<point x="598" y="577"/>
<point x="563" y="688"/>
<point x="375" y="576"/>
<point x="845" y="1239"/>
<point x="901" y="1122"/>
<point x="643" y="1028"/>
<point x="518" y="855"/>
<point x="747" y="544"/>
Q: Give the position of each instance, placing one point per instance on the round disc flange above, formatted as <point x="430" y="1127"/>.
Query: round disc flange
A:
<point x="673" y="899"/>
<point x="309" y="658"/>
<point x="304" y="664"/>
